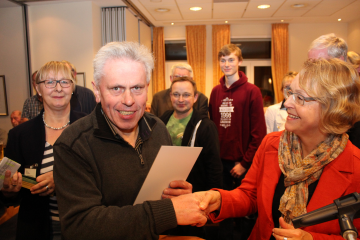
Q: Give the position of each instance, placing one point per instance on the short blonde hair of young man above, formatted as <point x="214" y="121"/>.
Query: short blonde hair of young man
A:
<point x="288" y="76"/>
<point x="55" y="67"/>
<point x="184" y="79"/>
<point x="228" y="49"/>
<point x="336" y="47"/>
<point x="335" y="85"/>
<point x="354" y="58"/>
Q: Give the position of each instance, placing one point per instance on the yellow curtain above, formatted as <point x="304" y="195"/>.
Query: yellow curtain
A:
<point x="196" y="53"/>
<point x="279" y="56"/>
<point x="158" y="77"/>
<point x="220" y="37"/>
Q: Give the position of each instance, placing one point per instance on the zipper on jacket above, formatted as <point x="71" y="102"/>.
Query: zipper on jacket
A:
<point x="142" y="160"/>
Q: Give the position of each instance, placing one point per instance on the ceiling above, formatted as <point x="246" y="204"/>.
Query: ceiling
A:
<point x="233" y="11"/>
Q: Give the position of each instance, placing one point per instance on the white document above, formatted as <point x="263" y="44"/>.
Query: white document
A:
<point x="171" y="163"/>
<point x="7" y="164"/>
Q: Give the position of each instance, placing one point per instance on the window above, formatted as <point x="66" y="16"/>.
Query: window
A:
<point x="257" y="65"/>
<point x="175" y="50"/>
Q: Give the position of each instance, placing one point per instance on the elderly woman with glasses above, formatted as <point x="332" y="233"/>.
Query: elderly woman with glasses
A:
<point x="30" y="144"/>
<point x="305" y="167"/>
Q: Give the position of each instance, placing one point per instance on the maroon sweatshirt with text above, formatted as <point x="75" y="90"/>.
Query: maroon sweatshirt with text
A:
<point x="239" y="116"/>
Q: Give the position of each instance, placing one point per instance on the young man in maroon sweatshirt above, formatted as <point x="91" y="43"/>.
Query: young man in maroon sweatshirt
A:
<point x="236" y="107"/>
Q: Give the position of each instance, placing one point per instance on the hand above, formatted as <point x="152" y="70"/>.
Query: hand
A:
<point x="290" y="232"/>
<point x="237" y="170"/>
<point x="209" y="201"/>
<point x="11" y="185"/>
<point x="177" y="188"/>
<point x="44" y="180"/>
<point x="187" y="210"/>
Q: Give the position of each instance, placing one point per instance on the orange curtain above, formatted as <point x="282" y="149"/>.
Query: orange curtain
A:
<point x="279" y="56"/>
<point x="158" y="77"/>
<point x="220" y="37"/>
<point x="196" y="53"/>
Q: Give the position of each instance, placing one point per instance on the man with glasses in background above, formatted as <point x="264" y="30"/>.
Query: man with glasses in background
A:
<point x="189" y="127"/>
<point x="161" y="100"/>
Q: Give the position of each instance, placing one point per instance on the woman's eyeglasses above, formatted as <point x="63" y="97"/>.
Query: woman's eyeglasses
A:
<point x="298" y="98"/>
<point x="64" y="83"/>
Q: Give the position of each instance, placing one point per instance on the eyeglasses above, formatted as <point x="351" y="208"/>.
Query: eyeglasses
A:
<point x="184" y="95"/>
<point x="64" y="83"/>
<point x="298" y="98"/>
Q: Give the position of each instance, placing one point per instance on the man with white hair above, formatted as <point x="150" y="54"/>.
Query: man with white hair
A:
<point x="161" y="100"/>
<point x="103" y="159"/>
<point x="328" y="46"/>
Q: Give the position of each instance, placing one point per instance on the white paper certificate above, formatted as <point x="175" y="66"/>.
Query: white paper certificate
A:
<point x="171" y="163"/>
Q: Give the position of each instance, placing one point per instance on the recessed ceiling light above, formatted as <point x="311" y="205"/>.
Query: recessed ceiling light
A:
<point x="282" y="20"/>
<point x="339" y="19"/>
<point x="298" y="5"/>
<point x="172" y="23"/>
<point x="226" y="21"/>
<point x="195" y="8"/>
<point x="263" y="6"/>
<point x="162" y="10"/>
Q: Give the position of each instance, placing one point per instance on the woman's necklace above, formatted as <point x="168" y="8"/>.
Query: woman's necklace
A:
<point x="53" y="127"/>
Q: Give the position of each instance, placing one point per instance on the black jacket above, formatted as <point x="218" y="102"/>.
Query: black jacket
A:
<point x="207" y="171"/>
<point x="26" y="145"/>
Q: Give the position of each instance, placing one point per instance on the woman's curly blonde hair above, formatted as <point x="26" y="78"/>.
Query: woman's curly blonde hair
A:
<point x="335" y="85"/>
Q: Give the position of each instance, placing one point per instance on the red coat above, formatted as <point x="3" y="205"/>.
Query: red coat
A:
<point x="255" y="194"/>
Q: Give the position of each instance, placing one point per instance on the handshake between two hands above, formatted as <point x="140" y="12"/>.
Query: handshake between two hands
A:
<point x="191" y="208"/>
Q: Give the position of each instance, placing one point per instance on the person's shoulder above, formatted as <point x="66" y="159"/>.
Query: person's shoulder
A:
<point x="79" y="128"/>
<point x="160" y="93"/>
<point x="273" y="108"/>
<point x="26" y="128"/>
<point x="272" y="140"/>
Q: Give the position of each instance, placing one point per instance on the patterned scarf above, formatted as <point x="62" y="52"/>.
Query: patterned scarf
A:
<point x="299" y="173"/>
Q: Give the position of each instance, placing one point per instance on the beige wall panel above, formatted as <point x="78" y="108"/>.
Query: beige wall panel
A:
<point x="13" y="61"/>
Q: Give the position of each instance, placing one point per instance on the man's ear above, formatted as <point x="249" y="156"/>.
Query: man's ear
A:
<point x="196" y="97"/>
<point x="240" y="62"/>
<point x="96" y="92"/>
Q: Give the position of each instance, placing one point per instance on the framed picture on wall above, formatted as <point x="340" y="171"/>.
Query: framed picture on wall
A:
<point x="3" y="97"/>
<point x="80" y="77"/>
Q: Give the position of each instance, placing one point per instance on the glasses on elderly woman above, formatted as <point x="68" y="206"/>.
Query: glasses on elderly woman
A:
<point x="64" y="83"/>
<point x="298" y="98"/>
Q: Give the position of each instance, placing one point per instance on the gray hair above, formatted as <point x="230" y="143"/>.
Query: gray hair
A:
<point x="182" y="66"/>
<point x="122" y="50"/>
<point x="336" y="47"/>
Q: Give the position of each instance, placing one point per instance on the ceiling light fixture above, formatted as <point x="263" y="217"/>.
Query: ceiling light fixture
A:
<point x="339" y="19"/>
<point x="162" y="10"/>
<point x="282" y="20"/>
<point x="172" y="23"/>
<point x="298" y="5"/>
<point x="195" y="8"/>
<point x="263" y="6"/>
<point x="226" y="21"/>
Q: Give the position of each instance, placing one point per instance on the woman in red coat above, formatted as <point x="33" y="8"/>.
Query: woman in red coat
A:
<point x="305" y="167"/>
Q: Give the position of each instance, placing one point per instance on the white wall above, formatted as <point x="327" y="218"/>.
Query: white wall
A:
<point x="300" y="37"/>
<point x="354" y="36"/>
<point x="13" y="61"/>
<point x="65" y="31"/>
<point x="132" y="33"/>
